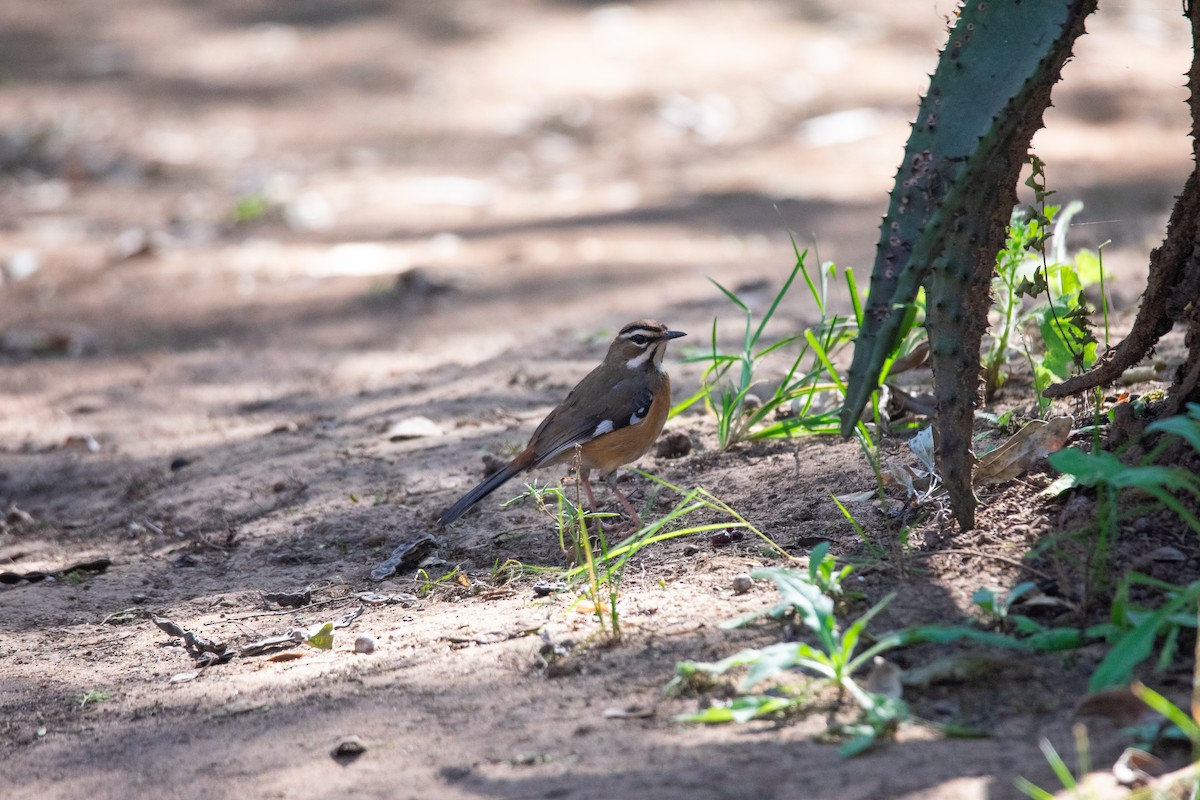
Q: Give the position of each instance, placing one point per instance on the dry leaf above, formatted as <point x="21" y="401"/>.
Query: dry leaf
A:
<point x="1119" y="705"/>
<point x="630" y="712"/>
<point x="918" y="357"/>
<point x="1137" y="767"/>
<point x="1037" y="439"/>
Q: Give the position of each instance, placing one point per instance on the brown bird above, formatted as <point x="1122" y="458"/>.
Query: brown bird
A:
<point x="613" y="416"/>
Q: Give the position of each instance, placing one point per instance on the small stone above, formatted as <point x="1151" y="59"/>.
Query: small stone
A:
<point x="17" y="516"/>
<point x="413" y="428"/>
<point x="885" y="678"/>
<point x="349" y="748"/>
<point x="742" y="583"/>
<point x="725" y="537"/>
<point x="365" y="643"/>
<point x="674" y="445"/>
<point x="492" y="464"/>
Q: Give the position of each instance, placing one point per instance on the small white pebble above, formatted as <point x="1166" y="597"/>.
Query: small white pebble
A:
<point x="365" y="643"/>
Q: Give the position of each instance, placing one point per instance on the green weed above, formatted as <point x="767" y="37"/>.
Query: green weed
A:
<point x="1027" y="269"/>
<point x="998" y="605"/>
<point x="1024" y="270"/>
<point x="427" y="583"/>
<point x="1111" y="477"/>
<point x="1133" y="631"/>
<point x="806" y="599"/>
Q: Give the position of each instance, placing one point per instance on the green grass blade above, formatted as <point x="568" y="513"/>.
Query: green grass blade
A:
<point x="812" y="289"/>
<point x="1061" y="770"/>
<point x="1134" y="647"/>
<point x="855" y="300"/>
<point x="1032" y="790"/>
<point x="732" y="297"/>
<point x="775" y="303"/>
<point x="824" y="358"/>
<point x="1169" y="710"/>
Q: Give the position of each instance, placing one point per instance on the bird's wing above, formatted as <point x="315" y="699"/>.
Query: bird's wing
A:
<point x="587" y="414"/>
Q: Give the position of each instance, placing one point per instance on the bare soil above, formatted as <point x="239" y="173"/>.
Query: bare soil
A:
<point x="242" y="240"/>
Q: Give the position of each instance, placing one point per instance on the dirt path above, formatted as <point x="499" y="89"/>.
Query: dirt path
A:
<point x="205" y="210"/>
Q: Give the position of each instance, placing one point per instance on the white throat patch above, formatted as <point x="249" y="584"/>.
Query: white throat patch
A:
<point x="641" y="358"/>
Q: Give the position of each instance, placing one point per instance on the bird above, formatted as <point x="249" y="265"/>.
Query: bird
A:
<point x="608" y="420"/>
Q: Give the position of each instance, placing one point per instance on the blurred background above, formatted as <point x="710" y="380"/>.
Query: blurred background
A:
<point x="436" y="181"/>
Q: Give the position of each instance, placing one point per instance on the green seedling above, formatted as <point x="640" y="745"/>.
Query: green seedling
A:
<point x="1106" y="472"/>
<point x="824" y="573"/>
<point x="428" y="583"/>
<point x="1061" y="770"/>
<point x="94" y="697"/>
<point x="998" y="605"/>
<point x="1173" y="487"/>
<point x="1134" y="631"/>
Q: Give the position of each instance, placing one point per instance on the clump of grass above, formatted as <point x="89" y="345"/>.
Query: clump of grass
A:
<point x="599" y="564"/>
<point x="808" y="397"/>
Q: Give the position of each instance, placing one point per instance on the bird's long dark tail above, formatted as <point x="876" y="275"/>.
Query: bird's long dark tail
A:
<point x="488" y="485"/>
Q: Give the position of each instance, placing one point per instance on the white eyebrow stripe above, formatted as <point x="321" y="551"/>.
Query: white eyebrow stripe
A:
<point x="647" y="332"/>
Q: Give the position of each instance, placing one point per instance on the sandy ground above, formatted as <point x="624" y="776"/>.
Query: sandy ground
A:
<point x="242" y="240"/>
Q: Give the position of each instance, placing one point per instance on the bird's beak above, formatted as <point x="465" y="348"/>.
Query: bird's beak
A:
<point x="675" y="334"/>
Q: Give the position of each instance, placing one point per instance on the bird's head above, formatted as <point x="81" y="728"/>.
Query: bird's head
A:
<point x="642" y="343"/>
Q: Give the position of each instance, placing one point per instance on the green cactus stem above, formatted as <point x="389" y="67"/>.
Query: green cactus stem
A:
<point x="952" y="197"/>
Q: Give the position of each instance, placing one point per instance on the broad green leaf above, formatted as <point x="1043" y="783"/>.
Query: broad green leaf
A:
<point x="322" y="639"/>
<point x="1089" y="469"/>
<point x="1184" y="427"/>
<point x="741" y="709"/>
<point x="1134" y="647"/>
